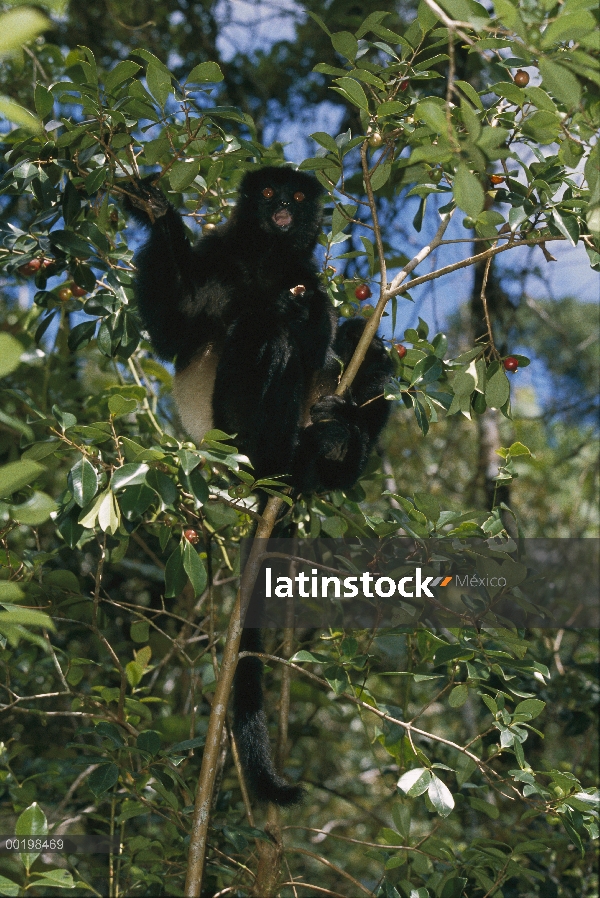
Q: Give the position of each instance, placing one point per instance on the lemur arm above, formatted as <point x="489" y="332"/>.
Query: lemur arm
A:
<point x="170" y="279"/>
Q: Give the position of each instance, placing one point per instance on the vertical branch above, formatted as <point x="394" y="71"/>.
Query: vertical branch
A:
<point x="216" y="721"/>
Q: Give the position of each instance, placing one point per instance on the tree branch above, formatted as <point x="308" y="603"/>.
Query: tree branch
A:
<point x="216" y="721"/>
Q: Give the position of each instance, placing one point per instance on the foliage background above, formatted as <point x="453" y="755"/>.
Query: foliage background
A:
<point x="106" y="697"/>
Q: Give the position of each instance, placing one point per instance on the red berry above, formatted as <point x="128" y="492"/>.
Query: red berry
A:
<point x="30" y="268"/>
<point x="363" y="291"/>
<point x="496" y="179"/>
<point x="401" y="350"/>
<point x="76" y="290"/>
<point x="46" y="263"/>
<point x="404" y="84"/>
<point x="521" y="78"/>
<point x="511" y="363"/>
<point x="191" y="536"/>
<point x="65" y="293"/>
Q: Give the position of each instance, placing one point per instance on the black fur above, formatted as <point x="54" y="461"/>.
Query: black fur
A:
<point x="250" y="728"/>
<point x="279" y="352"/>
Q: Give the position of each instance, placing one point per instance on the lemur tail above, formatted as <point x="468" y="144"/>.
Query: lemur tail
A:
<point x="250" y="729"/>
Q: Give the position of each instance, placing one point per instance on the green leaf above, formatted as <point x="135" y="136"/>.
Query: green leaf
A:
<point x="19" y="115"/>
<point x="194" y="568"/>
<point x="468" y="192"/>
<point x="470" y="92"/>
<point x="10" y="592"/>
<point x="187" y="744"/>
<point x="175" y="574"/>
<point x="20" y="26"/>
<point x="134" y="673"/>
<point x="10" y="354"/>
<point x="373" y="19"/>
<point x="458" y="696"/>
<point x="479" y="804"/>
<point x="44" y="101"/>
<point x="139" y="631"/>
<point x="345" y="44"/>
<point x="433" y="115"/>
<point x="9" y="888"/>
<point x="121" y="72"/>
<point x="519" y="449"/>
<point x="163" y="485"/>
<point x="497" y="389"/>
<point x="353" y="91"/>
<point x="205" y="72"/>
<point x="326" y="140"/>
<point x="428" y="504"/>
<point x="27" y="617"/>
<point x="415" y="782"/>
<point x="593" y="221"/>
<point x="159" y="82"/>
<point x="381" y="175"/>
<point x="83" y="481"/>
<point x="532" y="706"/>
<point x="55" y="879"/>
<point x="35" y="510"/>
<point x="149" y="741"/>
<point x="319" y="22"/>
<point x="32" y="822"/>
<point x="103" y="778"/>
<point x="567" y="225"/>
<point x="540" y="98"/>
<point x="568" y="27"/>
<point x="109" y="516"/>
<point x="17" y="474"/>
<point x="71" y="243"/>
<point x="128" y="475"/>
<point x="183" y="173"/>
<point x="463" y="384"/>
<point x="467" y="11"/>
<point x="440" y="796"/>
<point x="427" y="370"/>
<point x="510" y="91"/>
<point x="560" y="81"/>
<point x="120" y="405"/>
<point x="304" y="655"/>
<point x="336" y="677"/>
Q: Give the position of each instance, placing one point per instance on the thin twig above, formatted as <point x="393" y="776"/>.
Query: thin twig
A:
<point x="484" y="303"/>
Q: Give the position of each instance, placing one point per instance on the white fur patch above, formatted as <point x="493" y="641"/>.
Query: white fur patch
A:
<point x="193" y="391"/>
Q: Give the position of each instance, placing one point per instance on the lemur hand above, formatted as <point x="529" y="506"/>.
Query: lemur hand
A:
<point x="143" y="196"/>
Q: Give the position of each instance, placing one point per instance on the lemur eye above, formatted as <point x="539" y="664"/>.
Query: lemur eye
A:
<point x="299" y="196"/>
<point x="268" y="192"/>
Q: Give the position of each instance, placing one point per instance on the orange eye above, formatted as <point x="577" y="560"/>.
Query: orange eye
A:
<point x="299" y="196"/>
<point x="268" y="192"/>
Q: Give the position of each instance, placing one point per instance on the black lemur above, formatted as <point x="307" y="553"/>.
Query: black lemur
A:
<point x="258" y="354"/>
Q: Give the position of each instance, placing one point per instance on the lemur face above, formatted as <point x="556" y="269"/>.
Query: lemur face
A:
<point x="282" y="201"/>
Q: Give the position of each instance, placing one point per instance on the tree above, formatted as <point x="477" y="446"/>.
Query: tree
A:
<point x="116" y="656"/>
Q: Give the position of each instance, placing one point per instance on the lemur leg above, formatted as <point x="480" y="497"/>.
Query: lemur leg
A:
<point x="334" y="449"/>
